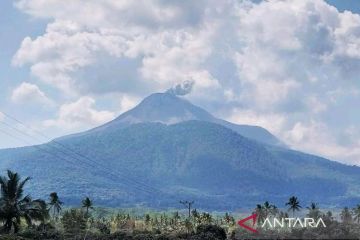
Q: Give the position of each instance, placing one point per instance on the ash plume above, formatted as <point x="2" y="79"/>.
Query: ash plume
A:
<point x="182" y="89"/>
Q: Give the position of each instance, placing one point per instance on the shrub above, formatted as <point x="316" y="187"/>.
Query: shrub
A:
<point x="103" y="226"/>
<point x="209" y="231"/>
<point x="74" y="221"/>
<point x="32" y="233"/>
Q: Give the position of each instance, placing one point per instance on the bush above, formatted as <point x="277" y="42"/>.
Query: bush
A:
<point x="9" y="237"/>
<point x="210" y="232"/>
<point x="37" y="234"/>
<point x="144" y="236"/>
<point x="74" y="221"/>
<point x="103" y="226"/>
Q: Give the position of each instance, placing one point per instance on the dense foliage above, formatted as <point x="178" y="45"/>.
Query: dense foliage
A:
<point x="23" y="218"/>
<point x="15" y="207"/>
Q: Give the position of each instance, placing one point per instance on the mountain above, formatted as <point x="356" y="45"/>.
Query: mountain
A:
<point x="154" y="160"/>
<point x="168" y="108"/>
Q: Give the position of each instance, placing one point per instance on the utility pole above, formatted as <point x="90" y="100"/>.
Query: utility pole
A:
<point x="188" y="205"/>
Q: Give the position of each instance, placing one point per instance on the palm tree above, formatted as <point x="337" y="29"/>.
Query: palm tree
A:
<point x="55" y="204"/>
<point x="346" y="215"/>
<point x="260" y="211"/>
<point x="88" y="204"/>
<point x="283" y="214"/>
<point x="229" y="219"/>
<point x="265" y="210"/>
<point x="196" y="216"/>
<point x="270" y="209"/>
<point x="176" y="217"/>
<point x="14" y="207"/>
<point x="147" y="219"/>
<point x="313" y="206"/>
<point x="314" y="211"/>
<point x="356" y="212"/>
<point x="206" y="218"/>
<point x="328" y="217"/>
<point x="188" y="225"/>
<point x="294" y="204"/>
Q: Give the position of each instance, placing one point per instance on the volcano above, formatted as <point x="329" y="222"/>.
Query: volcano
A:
<point x="167" y="149"/>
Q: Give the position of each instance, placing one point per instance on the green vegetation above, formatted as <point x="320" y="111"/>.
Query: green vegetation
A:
<point x="87" y="204"/>
<point x="201" y="160"/>
<point x="293" y="204"/>
<point x="14" y="207"/>
<point x="55" y="204"/>
<point x="24" y="218"/>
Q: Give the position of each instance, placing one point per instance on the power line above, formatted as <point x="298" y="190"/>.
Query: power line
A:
<point x="65" y="159"/>
<point x="138" y="186"/>
<point x="77" y="153"/>
<point x="71" y="150"/>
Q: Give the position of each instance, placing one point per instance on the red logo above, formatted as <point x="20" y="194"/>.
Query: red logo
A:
<point x="242" y="223"/>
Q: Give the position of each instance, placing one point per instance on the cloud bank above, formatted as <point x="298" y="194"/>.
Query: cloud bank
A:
<point x="290" y="66"/>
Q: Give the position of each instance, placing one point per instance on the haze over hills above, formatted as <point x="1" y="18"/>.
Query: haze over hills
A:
<point x="166" y="149"/>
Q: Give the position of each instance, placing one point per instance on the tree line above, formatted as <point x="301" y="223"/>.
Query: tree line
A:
<point x="20" y="215"/>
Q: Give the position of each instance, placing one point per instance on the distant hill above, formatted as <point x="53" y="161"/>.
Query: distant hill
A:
<point x="141" y="159"/>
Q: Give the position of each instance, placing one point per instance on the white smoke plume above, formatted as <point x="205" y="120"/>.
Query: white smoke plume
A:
<point x="182" y="89"/>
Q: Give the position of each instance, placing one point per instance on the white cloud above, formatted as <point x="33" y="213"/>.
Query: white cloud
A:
<point x="347" y="36"/>
<point x="75" y="61"/>
<point x="127" y="102"/>
<point x="315" y="105"/>
<point x="147" y="50"/>
<point x="315" y="137"/>
<point x="271" y="121"/>
<point x="110" y="13"/>
<point x="276" y="63"/>
<point x="79" y="115"/>
<point x="30" y="93"/>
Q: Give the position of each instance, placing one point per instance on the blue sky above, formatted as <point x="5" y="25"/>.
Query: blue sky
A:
<point x="342" y="5"/>
<point x="291" y="67"/>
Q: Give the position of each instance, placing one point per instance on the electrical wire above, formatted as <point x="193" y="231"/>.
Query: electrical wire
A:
<point x="136" y="184"/>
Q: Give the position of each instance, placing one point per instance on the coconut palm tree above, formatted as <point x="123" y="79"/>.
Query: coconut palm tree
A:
<point x="260" y="211"/>
<point x="176" y="216"/>
<point x="294" y="205"/>
<point x="229" y="219"/>
<point x="283" y="214"/>
<point x="270" y="209"/>
<point x="314" y="211"/>
<point x="206" y="218"/>
<point x="188" y="225"/>
<point x="14" y="207"/>
<point x="345" y="215"/>
<point x="265" y="210"/>
<point x="88" y="204"/>
<point x="147" y="219"/>
<point x="313" y="206"/>
<point x="55" y="204"/>
<point x="356" y="213"/>
<point x="196" y="217"/>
